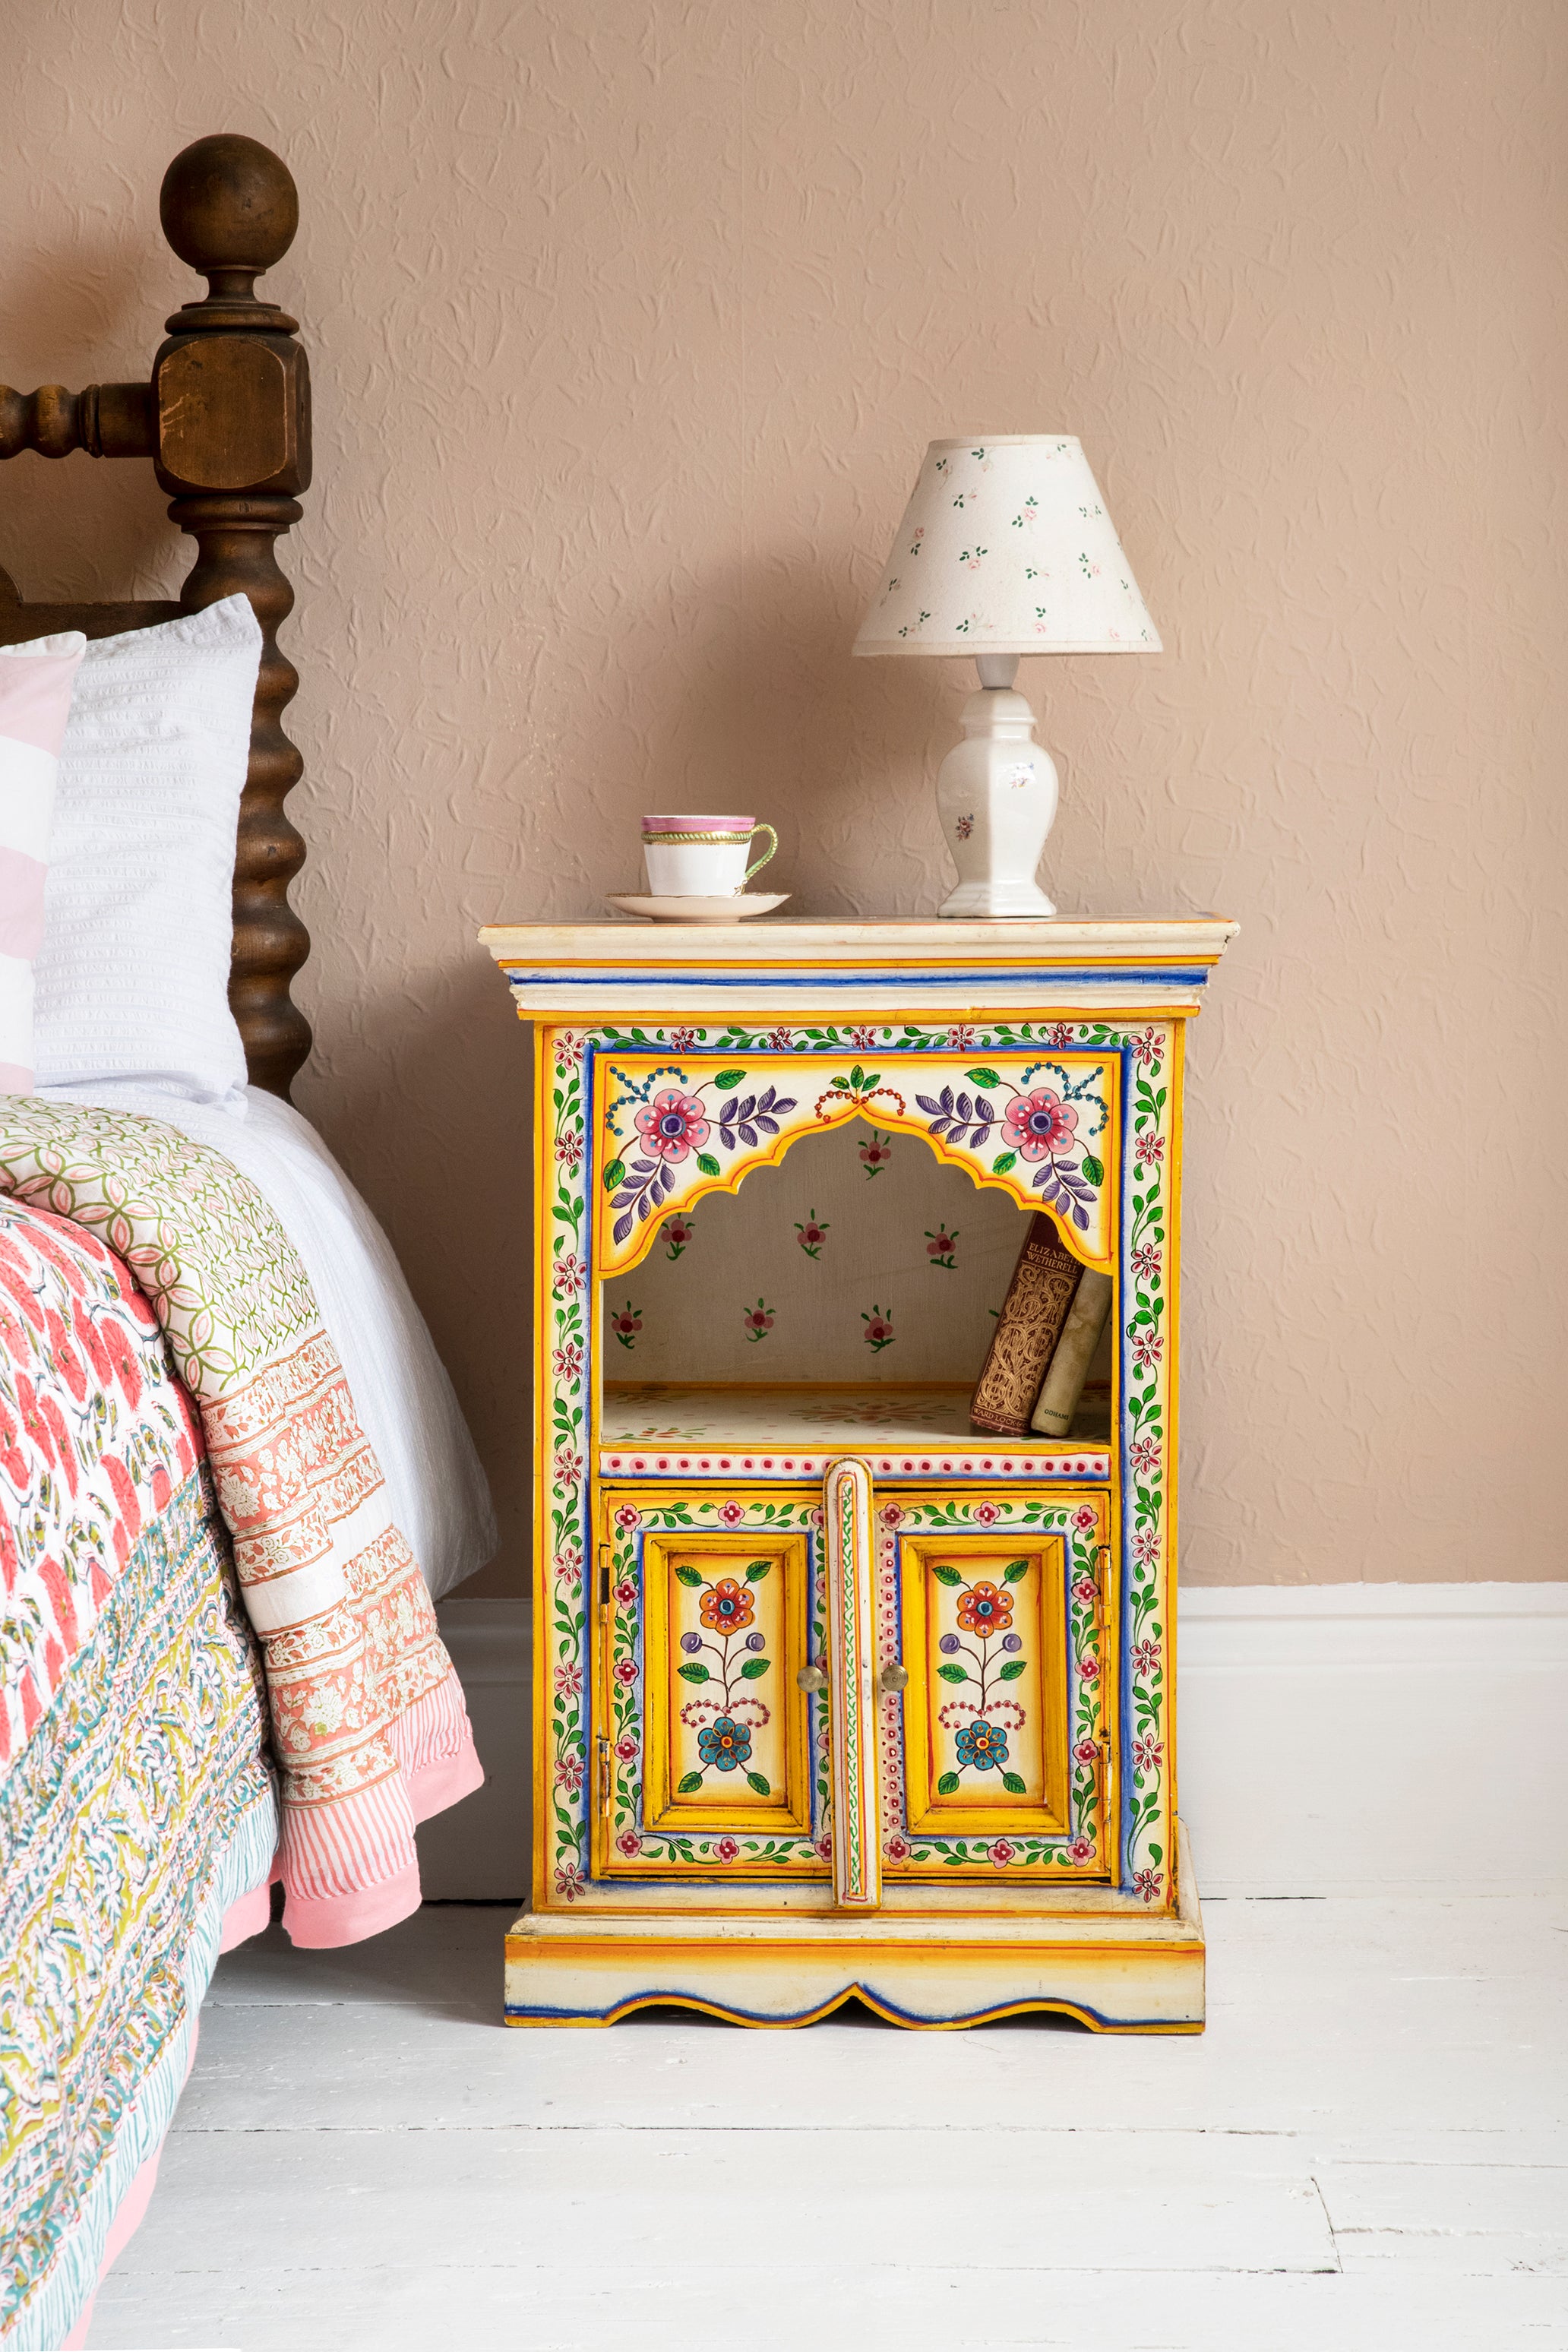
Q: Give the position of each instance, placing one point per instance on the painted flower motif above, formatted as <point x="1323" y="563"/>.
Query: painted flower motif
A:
<point x="569" y="1148"/>
<point x="625" y="1324"/>
<point x="1089" y="1669"/>
<point x="891" y="1514"/>
<point x="781" y="1040"/>
<point x="569" y="1681"/>
<point x="1148" y="1150"/>
<point x="569" y="1774"/>
<point x="725" y="1850"/>
<point x="672" y="1125"/>
<point x="569" y="1881"/>
<point x="863" y="1040"/>
<point x="678" y="1232"/>
<point x="629" y="1843"/>
<point x="985" y="1608"/>
<point x="1083" y="1518"/>
<point x="1146" y="1547"/>
<point x="1144" y="1455"/>
<point x="626" y="1749"/>
<point x="939" y="1247"/>
<point x="726" y="1606"/>
<point x="987" y="1513"/>
<point x="897" y="1849"/>
<point x="724" y="1743"/>
<point x="1144" y="1046"/>
<point x="732" y="1513"/>
<point x="569" y="1564"/>
<point x="960" y="1039"/>
<point x="1084" y="1590"/>
<point x="569" y="1273"/>
<point x="876" y="1154"/>
<point x="1059" y="1034"/>
<point x="1001" y="1853"/>
<point x="1148" y="1349"/>
<point x="1039" y="1124"/>
<point x="811" y="1234"/>
<point x="1148" y="1883"/>
<point x="625" y="1594"/>
<point x="963" y="827"/>
<point x="629" y="1516"/>
<point x="568" y="1467"/>
<point x="683" y="1041"/>
<point x="568" y="1053"/>
<point x="879" y="1332"/>
<point x="823" y="1846"/>
<point x="568" y="1360"/>
<point x="1086" y="1752"/>
<point x="1080" y="1850"/>
<point x="982" y="1743"/>
<point x="625" y="1671"/>
<point x="1146" y="1656"/>
<point x="758" y="1321"/>
<point x="1148" y="1753"/>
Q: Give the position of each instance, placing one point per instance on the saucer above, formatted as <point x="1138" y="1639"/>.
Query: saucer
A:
<point x="702" y="910"/>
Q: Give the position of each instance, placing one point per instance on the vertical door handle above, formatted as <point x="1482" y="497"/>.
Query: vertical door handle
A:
<point x="854" y="1715"/>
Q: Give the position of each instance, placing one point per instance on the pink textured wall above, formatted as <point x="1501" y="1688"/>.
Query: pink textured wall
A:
<point x="629" y="321"/>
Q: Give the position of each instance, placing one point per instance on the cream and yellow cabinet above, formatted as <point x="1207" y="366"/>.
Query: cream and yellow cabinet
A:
<point x="835" y="1695"/>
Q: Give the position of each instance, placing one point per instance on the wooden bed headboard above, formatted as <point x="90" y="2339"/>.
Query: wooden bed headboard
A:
<point x="225" y="418"/>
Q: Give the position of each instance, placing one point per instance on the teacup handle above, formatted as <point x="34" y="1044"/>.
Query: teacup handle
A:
<point x="768" y="852"/>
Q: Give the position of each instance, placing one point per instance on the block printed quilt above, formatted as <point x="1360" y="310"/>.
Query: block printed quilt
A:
<point x="151" y="1305"/>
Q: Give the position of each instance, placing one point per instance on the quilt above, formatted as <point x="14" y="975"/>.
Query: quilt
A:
<point x="219" y="1660"/>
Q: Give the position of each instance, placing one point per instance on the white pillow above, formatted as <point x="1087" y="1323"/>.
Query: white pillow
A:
<point x="131" y="980"/>
<point x="34" y="701"/>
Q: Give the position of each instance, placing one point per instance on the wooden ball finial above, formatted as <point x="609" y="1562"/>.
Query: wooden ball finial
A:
<point x="230" y="208"/>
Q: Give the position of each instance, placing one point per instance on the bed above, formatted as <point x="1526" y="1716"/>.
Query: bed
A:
<point x="233" y="1472"/>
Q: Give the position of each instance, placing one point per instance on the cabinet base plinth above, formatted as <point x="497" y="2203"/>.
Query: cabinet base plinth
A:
<point x="1115" y="1972"/>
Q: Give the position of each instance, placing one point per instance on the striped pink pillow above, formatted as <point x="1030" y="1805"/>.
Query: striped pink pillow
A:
<point x="35" y="702"/>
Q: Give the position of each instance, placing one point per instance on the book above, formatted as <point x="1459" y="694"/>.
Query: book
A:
<point x="1069" y="1368"/>
<point x="1039" y="1298"/>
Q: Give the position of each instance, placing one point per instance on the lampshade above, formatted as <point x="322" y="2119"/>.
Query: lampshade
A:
<point x="1006" y="547"/>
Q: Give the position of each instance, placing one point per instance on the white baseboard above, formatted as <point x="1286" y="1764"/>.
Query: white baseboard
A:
<point x="1335" y="1739"/>
<point x="1362" y="1738"/>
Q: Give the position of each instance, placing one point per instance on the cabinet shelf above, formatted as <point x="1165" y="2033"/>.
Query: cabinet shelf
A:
<point x="652" y="1429"/>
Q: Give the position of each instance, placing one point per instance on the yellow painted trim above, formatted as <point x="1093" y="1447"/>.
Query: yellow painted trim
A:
<point x="543" y="1532"/>
<point x="857" y="1992"/>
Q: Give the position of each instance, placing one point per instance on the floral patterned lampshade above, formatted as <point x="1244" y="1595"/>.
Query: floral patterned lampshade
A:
<point x="1006" y="547"/>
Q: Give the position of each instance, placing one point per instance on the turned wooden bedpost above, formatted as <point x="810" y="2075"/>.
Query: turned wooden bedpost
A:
<point x="231" y="414"/>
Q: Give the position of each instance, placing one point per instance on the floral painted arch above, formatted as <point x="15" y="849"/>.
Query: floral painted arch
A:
<point x="1042" y="1129"/>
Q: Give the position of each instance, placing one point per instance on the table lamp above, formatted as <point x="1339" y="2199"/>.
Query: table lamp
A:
<point x="1004" y="549"/>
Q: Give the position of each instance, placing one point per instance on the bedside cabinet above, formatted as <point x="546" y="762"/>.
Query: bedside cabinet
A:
<point x="834" y="1695"/>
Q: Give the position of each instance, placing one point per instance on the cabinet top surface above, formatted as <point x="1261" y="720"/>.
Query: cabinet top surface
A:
<point x="807" y="941"/>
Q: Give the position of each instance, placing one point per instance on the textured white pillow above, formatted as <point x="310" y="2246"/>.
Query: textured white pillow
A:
<point x="131" y="982"/>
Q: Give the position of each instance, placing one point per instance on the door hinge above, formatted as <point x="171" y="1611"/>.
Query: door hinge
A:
<point x="603" y="1771"/>
<point x="604" y="1565"/>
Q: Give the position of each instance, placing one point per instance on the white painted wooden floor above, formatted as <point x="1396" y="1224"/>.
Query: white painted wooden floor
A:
<point x="1368" y="2149"/>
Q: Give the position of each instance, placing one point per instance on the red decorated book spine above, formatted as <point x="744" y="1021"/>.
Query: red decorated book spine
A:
<point x="1039" y="1299"/>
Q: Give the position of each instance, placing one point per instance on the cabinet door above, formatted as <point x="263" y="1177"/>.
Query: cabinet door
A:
<point x="711" y="1757"/>
<point x="996" y="1754"/>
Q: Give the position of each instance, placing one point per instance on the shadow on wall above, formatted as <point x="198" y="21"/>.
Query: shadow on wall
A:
<point x="423" y="1093"/>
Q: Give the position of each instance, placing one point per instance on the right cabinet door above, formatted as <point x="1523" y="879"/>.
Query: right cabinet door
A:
<point x="996" y="1754"/>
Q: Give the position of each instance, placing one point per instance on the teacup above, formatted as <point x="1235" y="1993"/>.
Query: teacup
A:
<point x="701" y="856"/>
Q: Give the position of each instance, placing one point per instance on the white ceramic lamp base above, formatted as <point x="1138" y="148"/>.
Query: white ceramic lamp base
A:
<point x="996" y="795"/>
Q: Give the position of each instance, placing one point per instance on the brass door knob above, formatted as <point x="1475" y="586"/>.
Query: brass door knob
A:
<point x="893" y="1676"/>
<point x="811" y="1679"/>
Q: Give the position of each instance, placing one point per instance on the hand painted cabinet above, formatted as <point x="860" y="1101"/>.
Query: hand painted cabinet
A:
<point x="835" y="1695"/>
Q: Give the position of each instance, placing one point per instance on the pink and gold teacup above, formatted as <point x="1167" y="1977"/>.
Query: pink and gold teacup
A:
<point x="701" y="856"/>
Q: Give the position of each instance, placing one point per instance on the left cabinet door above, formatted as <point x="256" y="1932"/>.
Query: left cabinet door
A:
<point x="710" y="1759"/>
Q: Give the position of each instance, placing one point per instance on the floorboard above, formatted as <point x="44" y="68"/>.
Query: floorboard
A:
<point x="1367" y="2149"/>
